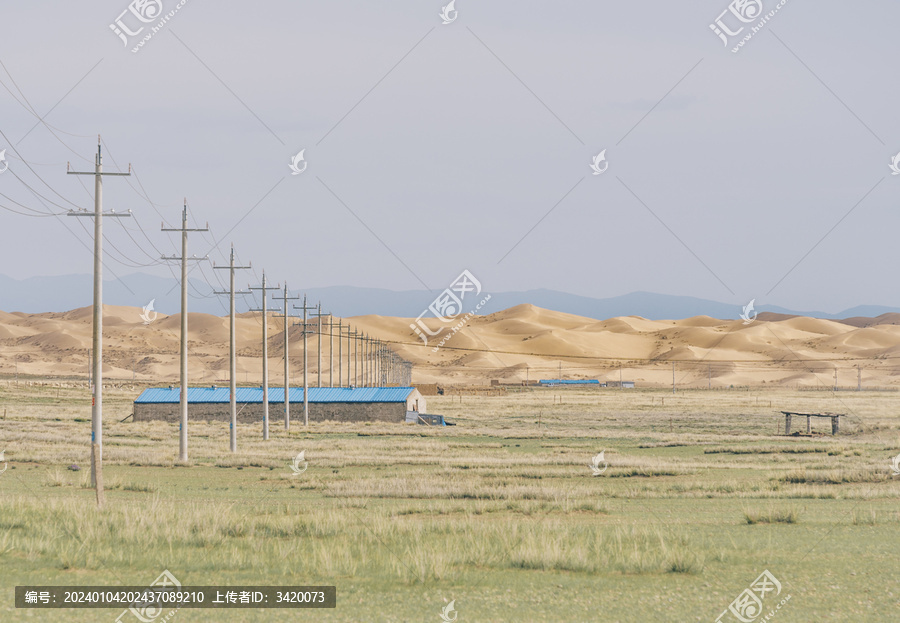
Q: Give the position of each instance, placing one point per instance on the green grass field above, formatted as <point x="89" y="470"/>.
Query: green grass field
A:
<point x="500" y="514"/>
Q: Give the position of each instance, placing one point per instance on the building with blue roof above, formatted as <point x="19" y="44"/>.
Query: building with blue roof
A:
<point x="350" y="404"/>
<point x="555" y="382"/>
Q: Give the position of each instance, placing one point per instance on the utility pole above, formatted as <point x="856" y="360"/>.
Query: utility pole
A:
<point x="287" y="379"/>
<point x="708" y="376"/>
<point x="183" y="426"/>
<point x="305" y="363"/>
<point x="97" y="402"/>
<point x="357" y="367"/>
<point x="319" y="315"/>
<point x="233" y="344"/>
<point x="673" y="377"/>
<point x="380" y="381"/>
<point x="364" y="363"/>
<point x="858" y="378"/>
<point x="265" y="351"/>
<point x="340" y="352"/>
<point x="354" y="380"/>
<point x="367" y="361"/>
<point x="835" y="379"/>
<point x="330" y="351"/>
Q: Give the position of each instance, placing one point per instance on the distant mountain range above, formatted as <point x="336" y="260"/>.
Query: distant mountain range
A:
<point x="62" y="293"/>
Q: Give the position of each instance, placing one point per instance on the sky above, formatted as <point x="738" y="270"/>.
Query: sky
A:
<point x="430" y="148"/>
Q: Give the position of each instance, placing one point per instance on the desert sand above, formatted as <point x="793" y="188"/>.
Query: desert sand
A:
<point x="518" y="344"/>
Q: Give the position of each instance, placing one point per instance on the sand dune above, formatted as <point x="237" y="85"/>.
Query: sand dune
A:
<point x="523" y="342"/>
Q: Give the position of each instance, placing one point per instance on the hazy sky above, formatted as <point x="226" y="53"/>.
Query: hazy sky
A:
<point x="433" y="148"/>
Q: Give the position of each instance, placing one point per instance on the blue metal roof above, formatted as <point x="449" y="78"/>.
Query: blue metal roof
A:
<point x="570" y="382"/>
<point x="196" y="395"/>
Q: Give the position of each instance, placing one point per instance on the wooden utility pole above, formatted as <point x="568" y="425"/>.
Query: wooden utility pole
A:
<point x="232" y="368"/>
<point x="183" y="427"/>
<point x="287" y="382"/>
<point x="97" y="402"/>
<point x="265" y="351"/>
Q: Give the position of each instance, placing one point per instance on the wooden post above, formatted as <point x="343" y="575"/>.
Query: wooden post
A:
<point x="97" y="469"/>
<point x="834" y="424"/>
<point x="787" y="423"/>
<point x="808" y="428"/>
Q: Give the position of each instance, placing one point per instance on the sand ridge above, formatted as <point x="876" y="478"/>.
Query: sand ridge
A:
<point x="519" y="343"/>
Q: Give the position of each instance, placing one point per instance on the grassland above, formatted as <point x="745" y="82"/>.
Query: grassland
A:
<point x="500" y="513"/>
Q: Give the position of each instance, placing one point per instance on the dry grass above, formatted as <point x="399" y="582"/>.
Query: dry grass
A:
<point x="499" y="501"/>
<point x="772" y="515"/>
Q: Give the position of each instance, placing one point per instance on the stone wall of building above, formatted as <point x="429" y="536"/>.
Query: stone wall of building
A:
<point x="253" y="412"/>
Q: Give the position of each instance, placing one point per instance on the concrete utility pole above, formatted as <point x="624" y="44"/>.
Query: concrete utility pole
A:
<point x="367" y="361"/>
<point x="379" y="382"/>
<point x="340" y="351"/>
<point x="349" y="358"/>
<point x="382" y="353"/>
<point x="97" y="215"/>
<point x="330" y="351"/>
<point x="265" y="351"/>
<point x="287" y="377"/>
<point x="305" y="308"/>
<point x="355" y="380"/>
<point x="233" y="344"/>
<point x="183" y="426"/>
<point x="319" y="315"/>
